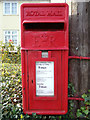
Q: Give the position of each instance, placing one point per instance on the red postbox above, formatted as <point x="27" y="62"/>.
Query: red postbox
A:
<point x="44" y="55"/>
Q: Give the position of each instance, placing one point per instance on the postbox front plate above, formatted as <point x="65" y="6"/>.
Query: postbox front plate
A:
<point x="44" y="55"/>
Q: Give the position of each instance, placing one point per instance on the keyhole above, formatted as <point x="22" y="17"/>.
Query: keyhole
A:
<point x="32" y="81"/>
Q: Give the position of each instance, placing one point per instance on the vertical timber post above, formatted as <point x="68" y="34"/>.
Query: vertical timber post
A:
<point x="79" y="46"/>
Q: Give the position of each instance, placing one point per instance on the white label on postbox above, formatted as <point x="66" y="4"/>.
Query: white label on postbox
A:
<point x="45" y="78"/>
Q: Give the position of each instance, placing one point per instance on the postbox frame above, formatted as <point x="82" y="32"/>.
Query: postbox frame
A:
<point x="25" y="55"/>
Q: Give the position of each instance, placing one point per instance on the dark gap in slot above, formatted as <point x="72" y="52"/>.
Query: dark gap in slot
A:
<point x="44" y="50"/>
<point x="44" y="26"/>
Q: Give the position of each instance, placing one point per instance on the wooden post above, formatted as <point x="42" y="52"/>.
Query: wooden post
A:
<point x="79" y="46"/>
<point x="89" y="43"/>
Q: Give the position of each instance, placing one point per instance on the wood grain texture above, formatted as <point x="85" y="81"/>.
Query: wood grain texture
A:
<point x="79" y="70"/>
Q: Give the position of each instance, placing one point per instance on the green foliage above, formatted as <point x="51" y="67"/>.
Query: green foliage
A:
<point x="9" y="55"/>
<point x="84" y="111"/>
<point x="11" y="91"/>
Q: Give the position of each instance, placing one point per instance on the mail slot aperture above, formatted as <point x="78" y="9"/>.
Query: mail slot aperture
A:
<point x="44" y="26"/>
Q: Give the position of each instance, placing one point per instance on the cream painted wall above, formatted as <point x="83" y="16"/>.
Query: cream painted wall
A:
<point x="58" y="1"/>
<point x="12" y="22"/>
<point x="1" y="23"/>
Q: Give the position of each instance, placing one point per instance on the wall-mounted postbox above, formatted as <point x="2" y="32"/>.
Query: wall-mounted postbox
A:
<point x="44" y="55"/>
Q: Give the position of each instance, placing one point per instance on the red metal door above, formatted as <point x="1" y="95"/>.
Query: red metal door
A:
<point x="48" y="103"/>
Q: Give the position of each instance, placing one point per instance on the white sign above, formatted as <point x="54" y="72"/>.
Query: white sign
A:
<point x="45" y="78"/>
